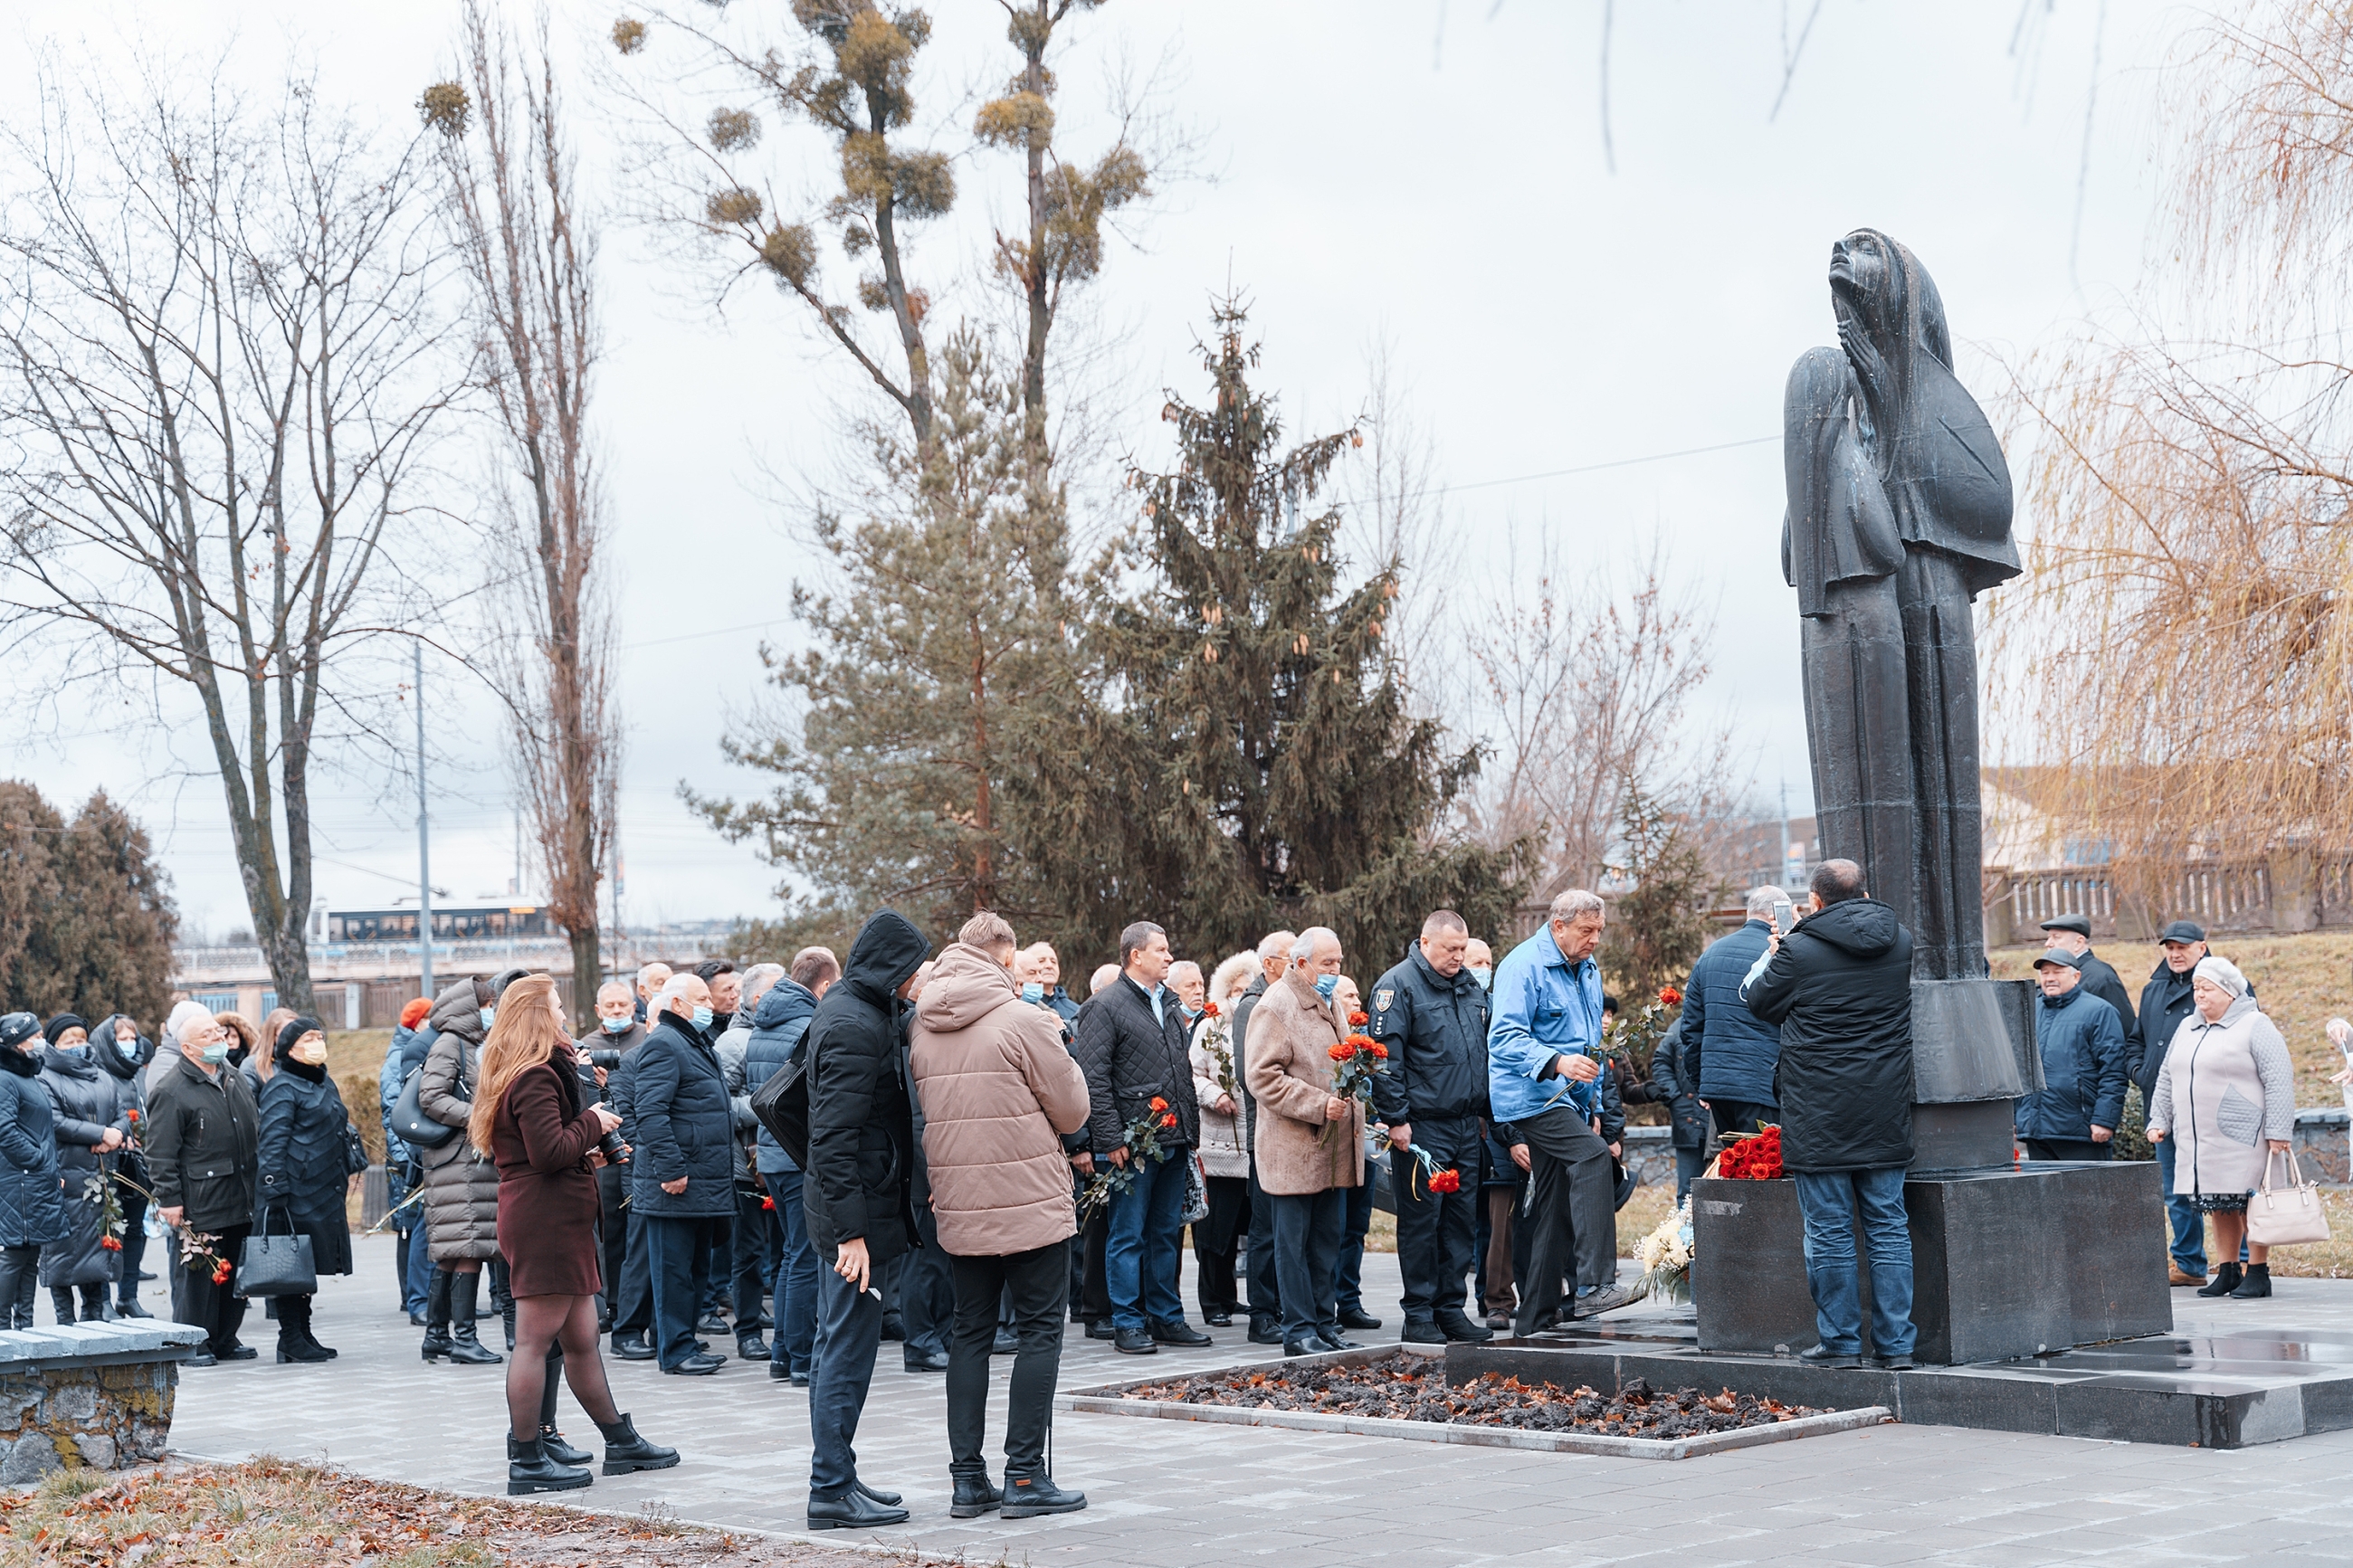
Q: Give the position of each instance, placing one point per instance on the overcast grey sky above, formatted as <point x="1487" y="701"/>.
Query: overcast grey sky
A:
<point x="1401" y="171"/>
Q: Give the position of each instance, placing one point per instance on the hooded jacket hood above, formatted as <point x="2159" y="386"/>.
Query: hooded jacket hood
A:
<point x="110" y="1056"/>
<point x="966" y="986"/>
<point x="458" y="1010"/>
<point x="1863" y="928"/>
<point x="783" y="1003"/>
<point x="888" y="951"/>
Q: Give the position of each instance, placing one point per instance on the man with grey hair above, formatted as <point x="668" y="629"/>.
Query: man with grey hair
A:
<point x="1132" y="1046"/>
<point x="1192" y="988"/>
<point x="1728" y="1051"/>
<point x="1544" y="1072"/>
<point x="1041" y="963"/>
<point x="1265" y="1298"/>
<point x="752" y="1242"/>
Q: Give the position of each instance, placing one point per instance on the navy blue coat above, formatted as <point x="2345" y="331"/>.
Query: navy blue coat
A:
<point x="1730" y="1053"/>
<point x="1436" y="1032"/>
<point x="678" y="1103"/>
<point x="2086" y="1067"/>
<point x="779" y="1027"/>
<point x="32" y="1202"/>
<point x="303" y="1176"/>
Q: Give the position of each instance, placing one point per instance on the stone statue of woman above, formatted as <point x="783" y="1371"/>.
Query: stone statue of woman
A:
<point x="1899" y="511"/>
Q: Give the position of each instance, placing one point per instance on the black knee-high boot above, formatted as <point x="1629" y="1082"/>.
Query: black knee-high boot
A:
<point x="61" y="1299"/>
<point x="465" y="1347"/>
<point x="551" y="1441"/>
<point x="436" y="1315"/>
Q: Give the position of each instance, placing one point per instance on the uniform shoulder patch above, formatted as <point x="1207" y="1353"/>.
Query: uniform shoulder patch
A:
<point x="1384" y="996"/>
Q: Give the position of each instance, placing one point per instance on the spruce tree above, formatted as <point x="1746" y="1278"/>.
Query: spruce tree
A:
<point x="943" y="630"/>
<point x="1241" y="757"/>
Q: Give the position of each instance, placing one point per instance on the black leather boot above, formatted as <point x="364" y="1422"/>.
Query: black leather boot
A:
<point x="974" y="1495"/>
<point x="436" y="1316"/>
<point x="465" y="1348"/>
<point x="2225" y="1280"/>
<point x="625" y="1451"/>
<point x="551" y="1441"/>
<point x="529" y="1469"/>
<point x="62" y="1302"/>
<point x="2258" y="1282"/>
<point x="1029" y="1493"/>
<point x="294" y="1340"/>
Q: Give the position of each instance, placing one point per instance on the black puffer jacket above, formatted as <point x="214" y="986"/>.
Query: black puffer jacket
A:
<point x="1840" y="990"/>
<point x="133" y="1071"/>
<point x="87" y="1102"/>
<point x="32" y="1206"/>
<point x="303" y="1174"/>
<point x="1672" y="1086"/>
<point x="204" y="1143"/>
<point x="679" y="1105"/>
<point x="1436" y="1031"/>
<point x="862" y="1115"/>
<point x="1129" y="1057"/>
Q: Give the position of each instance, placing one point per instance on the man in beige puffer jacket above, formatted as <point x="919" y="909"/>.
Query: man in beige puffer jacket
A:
<point x="998" y="1090"/>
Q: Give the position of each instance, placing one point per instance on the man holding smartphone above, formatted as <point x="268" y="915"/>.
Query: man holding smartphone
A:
<point x="1730" y="1053"/>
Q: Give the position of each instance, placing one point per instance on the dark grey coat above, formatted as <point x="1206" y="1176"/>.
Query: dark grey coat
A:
<point x="204" y="1136"/>
<point x="303" y="1175"/>
<point x="86" y="1101"/>
<point x="32" y="1213"/>
<point x="685" y="1127"/>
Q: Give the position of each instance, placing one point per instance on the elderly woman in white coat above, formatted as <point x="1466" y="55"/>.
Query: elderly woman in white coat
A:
<point x="2226" y="1096"/>
<point x="1225" y="1142"/>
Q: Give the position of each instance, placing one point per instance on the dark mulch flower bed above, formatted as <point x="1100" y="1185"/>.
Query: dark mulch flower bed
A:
<point x="1402" y="1388"/>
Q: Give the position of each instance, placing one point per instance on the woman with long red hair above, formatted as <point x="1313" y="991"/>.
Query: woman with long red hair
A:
<point x="531" y="1120"/>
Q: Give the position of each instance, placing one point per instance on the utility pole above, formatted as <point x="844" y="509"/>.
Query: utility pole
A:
<point x="1785" y="831"/>
<point x="424" y="849"/>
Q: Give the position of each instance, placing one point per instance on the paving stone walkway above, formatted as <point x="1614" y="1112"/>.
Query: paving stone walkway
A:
<point x="1167" y="1494"/>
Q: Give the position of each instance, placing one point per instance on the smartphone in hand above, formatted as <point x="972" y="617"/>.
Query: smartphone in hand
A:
<point x="1782" y="911"/>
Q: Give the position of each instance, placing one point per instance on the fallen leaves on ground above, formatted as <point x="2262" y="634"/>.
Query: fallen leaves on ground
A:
<point x="271" y="1513"/>
<point x="1403" y="1388"/>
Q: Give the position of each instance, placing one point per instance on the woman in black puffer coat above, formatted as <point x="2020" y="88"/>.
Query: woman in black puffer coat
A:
<point x="91" y="1125"/>
<point x="32" y="1206"/>
<point x="305" y="1171"/>
<point x="118" y="1047"/>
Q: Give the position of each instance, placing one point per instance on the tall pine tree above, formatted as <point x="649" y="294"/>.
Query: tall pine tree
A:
<point x="1244" y="759"/>
<point x="943" y="633"/>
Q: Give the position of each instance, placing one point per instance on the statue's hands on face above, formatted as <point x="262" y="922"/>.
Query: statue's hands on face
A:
<point x="1870" y="364"/>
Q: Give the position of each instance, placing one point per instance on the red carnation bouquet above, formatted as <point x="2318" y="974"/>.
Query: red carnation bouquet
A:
<point x="1354" y="1060"/>
<point x="1755" y="1158"/>
<point x="1141" y="1142"/>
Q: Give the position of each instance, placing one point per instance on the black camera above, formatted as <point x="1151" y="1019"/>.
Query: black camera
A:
<point x="609" y="1060"/>
<point x="616" y="1152"/>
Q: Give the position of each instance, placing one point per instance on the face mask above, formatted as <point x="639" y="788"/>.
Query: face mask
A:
<point x="1032" y="992"/>
<point x="129" y="1049"/>
<point x="616" y="1025"/>
<point x="215" y="1054"/>
<point x="1486" y="977"/>
<point x="702" y="1018"/>
<point x="71" y="1050"/>
<point x="489" y="1017"/>
<point x="310" y="1053"/>
<point x="1325" y="984"/>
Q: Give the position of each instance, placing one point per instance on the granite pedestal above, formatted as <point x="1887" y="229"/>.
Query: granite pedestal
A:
<point x="2006" y="1263"/>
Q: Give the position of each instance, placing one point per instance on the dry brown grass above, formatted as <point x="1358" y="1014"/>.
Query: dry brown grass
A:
<point x="268" y="1513"/>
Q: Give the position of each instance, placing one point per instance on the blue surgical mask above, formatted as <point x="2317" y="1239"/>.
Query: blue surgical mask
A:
<point x="617" y="1026"/>
<point x="489" y="1017"/>
<point x="1486" y="977"/>
<point x="71" y="1050"/>
<point x="215" y="1055"/>
<point x="702" y="1018"/>
<point x="1032" y="992"/>
<point x="1325" y="984"/>
<point x="129" y="1049"/>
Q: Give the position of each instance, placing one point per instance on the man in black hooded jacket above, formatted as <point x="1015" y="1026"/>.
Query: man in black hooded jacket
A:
<point x="861" y="1149"/>
<point x="1840" y="988"/>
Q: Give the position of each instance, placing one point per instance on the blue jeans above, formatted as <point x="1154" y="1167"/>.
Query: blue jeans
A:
<point x="848" y="1332"/>
<point x="1830" y="1201"/>
<point x="2189" y="1243"/>
<point x="678" y="1255"/>
<point x="794" y="1283"/>
<point x="420" y="1271"/>
<point x="1140" y="1254"/>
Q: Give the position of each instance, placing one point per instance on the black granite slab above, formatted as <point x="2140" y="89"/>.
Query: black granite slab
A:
<point x="2224" y="1391"/>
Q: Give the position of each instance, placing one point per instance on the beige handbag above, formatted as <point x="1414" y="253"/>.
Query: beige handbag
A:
<point x="2283" y="1216"/>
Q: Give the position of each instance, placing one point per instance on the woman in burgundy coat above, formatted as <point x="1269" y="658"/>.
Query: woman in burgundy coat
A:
<point x="530" y="1121"/>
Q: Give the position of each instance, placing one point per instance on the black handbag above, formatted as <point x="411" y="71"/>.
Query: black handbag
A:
<point x="277" y="1265"/>
<point x="411" y="1125"/>
<point x="356" y="1155"/>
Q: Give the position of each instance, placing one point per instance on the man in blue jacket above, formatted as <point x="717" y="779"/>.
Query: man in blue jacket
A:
<point x="2073" y="1116"/>
<point x="1729" y="1052"/>
<point x="779" y="1026"/>
<point x="1432" y="1015"/>
<point x="1543" y="1066"/>
<point x="682" y="1167"/>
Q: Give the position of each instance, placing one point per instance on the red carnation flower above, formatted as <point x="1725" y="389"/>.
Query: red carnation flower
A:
<point x="1380" y="1050"/>
<point x="110" y="1243"/>
<point x="1358" y="1020"/>
<point x="1168" y="1119"/>
<point x="767" y="1202"/>
<point x="1671" y="996"/>
<point x="220" y="1275"/>
<point x="1341" y="1052"/>
<point x="1446" y="1181"/>
<point x="134" y="1116"/>
<point x="1208" y="1009"/>
<point x="1158" y="1103"/>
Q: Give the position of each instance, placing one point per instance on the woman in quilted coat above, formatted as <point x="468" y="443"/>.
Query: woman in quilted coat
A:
<point x="32" y="1210"/>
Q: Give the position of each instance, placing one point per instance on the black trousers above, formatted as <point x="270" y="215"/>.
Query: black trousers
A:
<point x="217" y="1310"/>
<point x="1037" y="1283"/>
<point x="927" y="1299"/>
<point x="1089" y="1284"/>
<point x="2068" y="1148"/>
<point x="1217" y="1239"/>
<point x="1434" y="1229"/>
<point x="134" y="1242"/>
<point x="20" y="1269"/>
<point x="757" y="1242"/>
<point x="1572" y="1211"/>
<point x="633" y="1310"/>
<point x="1265" y="1292"/>
<point x="612" y="1236"/>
